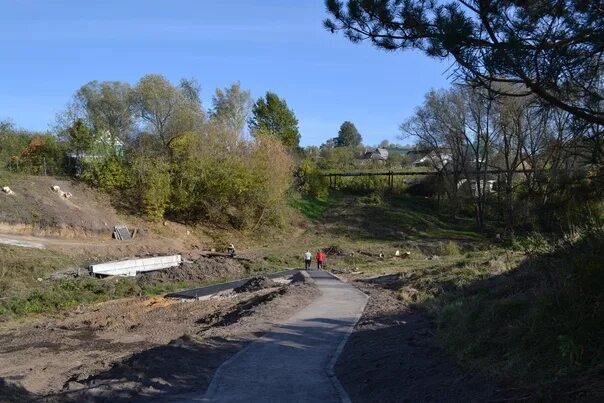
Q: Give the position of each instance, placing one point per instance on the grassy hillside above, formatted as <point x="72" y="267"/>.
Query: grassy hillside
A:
<point x="531" y="315"/>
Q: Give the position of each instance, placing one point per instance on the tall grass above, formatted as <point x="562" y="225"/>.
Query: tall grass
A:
<point x="542" y="323"/>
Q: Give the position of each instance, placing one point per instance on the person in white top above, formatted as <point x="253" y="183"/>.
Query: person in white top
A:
<point x="307" y="259"/>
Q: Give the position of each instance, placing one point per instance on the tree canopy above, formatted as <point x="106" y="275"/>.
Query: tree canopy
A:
<point x="270" y="114"/>
<point x="232" y="107"/>
<point x="168" y="110"/>
<point x="348" y="135"/>
<point x="554" y="48"/>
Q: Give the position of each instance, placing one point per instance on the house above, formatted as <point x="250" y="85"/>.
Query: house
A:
<point x="469" y="187"/>
<point x="434" y="158"/>
<point x="378" y="154"/>
<point x="104" y="146"/>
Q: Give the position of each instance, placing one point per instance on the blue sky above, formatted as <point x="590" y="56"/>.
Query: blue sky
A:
<point x="48" y="49"/>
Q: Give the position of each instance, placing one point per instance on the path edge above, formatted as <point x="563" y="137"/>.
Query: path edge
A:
<point x="213" y="386"/>
<point x="331" y="373"/>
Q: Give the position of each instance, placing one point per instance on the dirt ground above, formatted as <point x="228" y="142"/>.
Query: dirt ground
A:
<point x="82" y="225"/>
<point x="35" y="204"/>
<point x="137" y="349"/>
<point x="199" y="270"/>
<point x="393" y="356"/>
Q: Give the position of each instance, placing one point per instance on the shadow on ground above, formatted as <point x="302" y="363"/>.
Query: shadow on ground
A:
<point x="10" y="392"/>
<point x="183" y="366"/>
<point x="396" y="358"/>
<point x="537" y="327"/>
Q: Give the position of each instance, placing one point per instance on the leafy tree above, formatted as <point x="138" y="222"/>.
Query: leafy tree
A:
<point x="108" y="108"/>
<point x="271" y="115"/>
<point x="553" y="48"/>
<point x="330" y="143"/>
<point x="6" y="126"/>
<point x="44" y="154"/>
<point x="168" y="110"/>
<point x="348" y="136"/>
<point x="232" y="107"/>
<point x="191" y="90"/>
<point x="219" y="178"/>
<point x="151" y="177"/>
<point x="12" y="142"/>
<point x="80" y="137"/>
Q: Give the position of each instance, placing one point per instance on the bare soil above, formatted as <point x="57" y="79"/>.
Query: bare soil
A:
<point x="393" y="356"/>
<point x="82" y="225"/>
<point x="137" y="349"/>
<point x="200" y="270"/>
<point x="36" y="205"/>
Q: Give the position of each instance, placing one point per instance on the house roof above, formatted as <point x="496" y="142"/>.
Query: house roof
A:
<point x="378" y="153"/>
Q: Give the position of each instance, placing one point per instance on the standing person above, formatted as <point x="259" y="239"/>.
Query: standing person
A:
<point x="320" y="259"/>
<point x="231" y="250"/>
<point x="307" y="259"/>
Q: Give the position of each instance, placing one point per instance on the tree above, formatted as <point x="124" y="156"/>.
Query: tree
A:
<point x="80" y="137"/>
<point x="6" y="126"/>
<point x="552" y="47"/>
<point x="457" y="127"/>
<point x="168" y="110"/>
<point x="107" y="107"/>
<point x="191" y="90"/>
<point x="271" y="115"/>
<point x="348" y="136"/>
<point x="232" y="107"/>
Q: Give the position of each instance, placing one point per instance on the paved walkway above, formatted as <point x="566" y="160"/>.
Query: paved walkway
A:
<point x="293" y="362"/>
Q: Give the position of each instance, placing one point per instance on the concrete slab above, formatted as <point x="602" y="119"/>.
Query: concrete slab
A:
<point x="294" y="361"/>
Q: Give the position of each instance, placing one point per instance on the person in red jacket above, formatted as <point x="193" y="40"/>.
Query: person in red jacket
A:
<point x="320" y="257"/>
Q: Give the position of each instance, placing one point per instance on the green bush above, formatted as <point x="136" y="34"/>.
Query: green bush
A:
<point x="107" y="174"/>
<point x="151" y="177"/>
<point x="313" y="183"/>
<point x="220" y="178"/>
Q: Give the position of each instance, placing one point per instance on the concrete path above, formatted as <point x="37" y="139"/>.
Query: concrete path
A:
<point x="293" y="362"/>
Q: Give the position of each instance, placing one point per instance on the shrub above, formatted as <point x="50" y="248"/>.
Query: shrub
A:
<point x="450" y="248"/>
<point x="43" y="155"/>
<point x="313" y="182"/>
<point x="219" y="177"/>
<point x="151" y="177"/>
<point x="107" y="174"/>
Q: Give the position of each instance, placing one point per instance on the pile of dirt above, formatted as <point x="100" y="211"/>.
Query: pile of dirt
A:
<point x="298" y="277"/>
<point x="256" y="284"/>
<point x="384" y="280"/>
<point x="201" y="270"/>
<point x="334" y="250"/>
